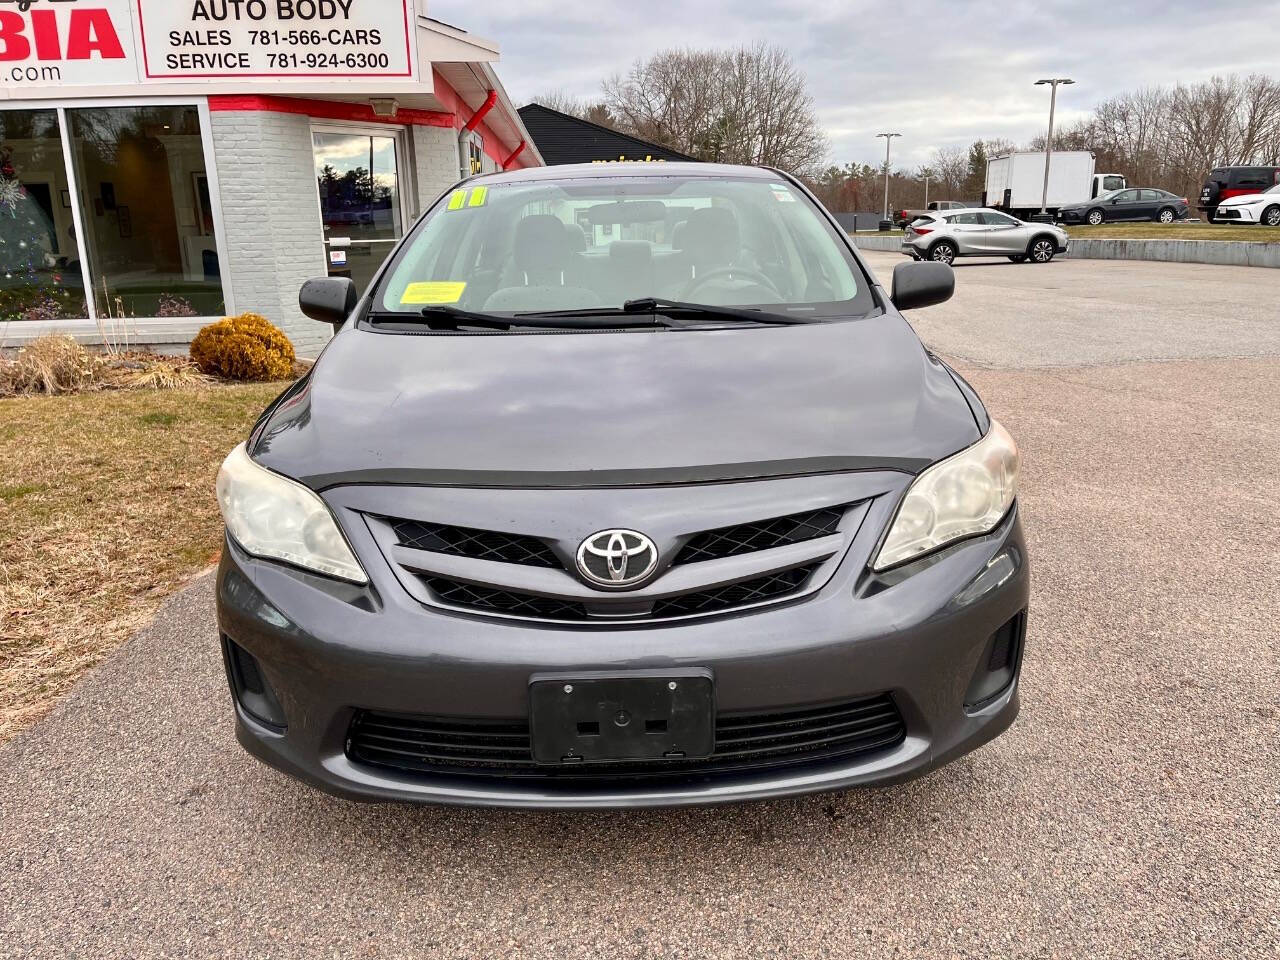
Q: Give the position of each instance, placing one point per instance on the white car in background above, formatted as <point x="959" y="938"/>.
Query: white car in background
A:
<point x="981" y="232"/>
<point x="1263" y="208"/>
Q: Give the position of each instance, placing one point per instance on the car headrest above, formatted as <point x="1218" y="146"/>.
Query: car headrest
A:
<point x="710" y="236"/>
<point x="541" y="247"/>
<point x="631" y="253"/>
<point x="577" y="238"/>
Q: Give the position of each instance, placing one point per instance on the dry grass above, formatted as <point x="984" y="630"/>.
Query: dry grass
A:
<point x="56" y="363"/>
<point x="106" y="505"/>
<point x="52" y="364"/>
<point x="1177" y="231"/>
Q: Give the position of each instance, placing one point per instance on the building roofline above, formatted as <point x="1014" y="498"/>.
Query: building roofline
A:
<point x="609" y="130"/>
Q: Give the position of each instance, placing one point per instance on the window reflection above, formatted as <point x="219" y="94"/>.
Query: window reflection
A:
<point x="144" y="205"/>
<point x="40" y="276"/>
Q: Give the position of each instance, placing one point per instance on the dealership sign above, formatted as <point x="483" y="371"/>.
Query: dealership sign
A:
<point x="90" y="42"/>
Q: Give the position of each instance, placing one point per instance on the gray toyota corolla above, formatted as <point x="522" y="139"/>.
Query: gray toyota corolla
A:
<point x="622" y="486"/>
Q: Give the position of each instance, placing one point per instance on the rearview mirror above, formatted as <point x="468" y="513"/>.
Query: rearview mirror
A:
<point x="922" y="284"/>
<point x="328" y="299"/>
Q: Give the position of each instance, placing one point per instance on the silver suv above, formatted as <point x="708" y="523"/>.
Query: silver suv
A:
<point x="981" y="232"/>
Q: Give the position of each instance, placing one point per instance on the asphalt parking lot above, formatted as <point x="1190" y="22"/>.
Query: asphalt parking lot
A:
<point x="1133" y="810"/>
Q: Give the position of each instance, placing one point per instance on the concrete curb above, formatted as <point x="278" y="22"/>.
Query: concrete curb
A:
<point x="1232" y="253"/>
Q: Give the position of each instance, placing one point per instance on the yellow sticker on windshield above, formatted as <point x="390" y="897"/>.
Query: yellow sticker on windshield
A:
<point x="478" y="196"/>
<point x="456" y="199"/>
<point x="436" y="291"/>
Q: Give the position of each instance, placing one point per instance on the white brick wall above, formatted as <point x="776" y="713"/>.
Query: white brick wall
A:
<point x="271" y="217"/>
<point x="435" y="162"/>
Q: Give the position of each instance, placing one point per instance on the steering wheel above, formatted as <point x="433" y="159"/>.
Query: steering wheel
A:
<point x="750" y="273"/>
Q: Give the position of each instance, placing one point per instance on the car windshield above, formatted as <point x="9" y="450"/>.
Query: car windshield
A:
<point x="601" y="241"/>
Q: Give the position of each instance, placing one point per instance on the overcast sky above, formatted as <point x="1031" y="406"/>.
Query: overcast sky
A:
<point x="937" y="73"/>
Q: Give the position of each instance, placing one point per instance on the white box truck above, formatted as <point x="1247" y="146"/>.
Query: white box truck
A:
<point x="1015" y="181"/>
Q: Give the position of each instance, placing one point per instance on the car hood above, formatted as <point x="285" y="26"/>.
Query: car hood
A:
<point x="612" y="408"/>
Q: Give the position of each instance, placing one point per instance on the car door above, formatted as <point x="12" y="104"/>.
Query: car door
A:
<point x="1123" y="206"/>
<point x="968" y="231"/>
<point x="1149" y="204"/>
<point x="1003" y="234"/>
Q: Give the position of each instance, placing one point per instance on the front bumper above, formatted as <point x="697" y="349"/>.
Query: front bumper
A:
<point x="920" y="635"/>
<point x="1235" y="214"/>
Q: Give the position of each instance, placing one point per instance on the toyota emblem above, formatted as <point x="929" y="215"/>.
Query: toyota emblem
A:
<point x="617" y="558"/>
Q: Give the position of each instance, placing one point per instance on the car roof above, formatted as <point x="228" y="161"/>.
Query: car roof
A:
<point x="665" y="168"/>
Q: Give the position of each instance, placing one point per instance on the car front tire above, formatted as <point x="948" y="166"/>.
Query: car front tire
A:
<point x="1270" y="217"/>
<point x="1166" y="215"/>
<point x="944" y="251"/>
<point x="1041" y="250"/>
<point x="1095" y="217"/>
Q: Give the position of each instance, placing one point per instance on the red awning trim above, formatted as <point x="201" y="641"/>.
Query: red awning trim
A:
<point x="514" y="153"/>
<point x="329" y="110"/>
<point x="484" y="108"/>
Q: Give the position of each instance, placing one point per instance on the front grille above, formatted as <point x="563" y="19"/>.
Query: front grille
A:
<point x="744" y="742"/>
<point x="489" y="600"/>
<point x="770" y="587"/>
<point x="761" y="535"/>
<point x="476" y="544"/>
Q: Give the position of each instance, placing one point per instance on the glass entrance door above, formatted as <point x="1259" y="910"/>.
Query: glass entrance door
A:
<point x="360" y="203"/>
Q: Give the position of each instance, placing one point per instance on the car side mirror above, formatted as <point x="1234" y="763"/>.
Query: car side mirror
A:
<point x="922" y="284"/>
<point x="1115" y="200"/>
<point x="328" y="299"/>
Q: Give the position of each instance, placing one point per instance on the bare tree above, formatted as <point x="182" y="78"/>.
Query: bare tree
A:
<point x="596" y="112"/>
<point x="950" y="167"/>
<point x="748" y="105"/>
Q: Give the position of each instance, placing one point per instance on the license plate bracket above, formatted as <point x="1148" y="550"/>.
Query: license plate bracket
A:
<point x="638" y="715"/>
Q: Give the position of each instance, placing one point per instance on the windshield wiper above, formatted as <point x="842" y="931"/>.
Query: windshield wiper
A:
<point x="674" y="309"/>
<point x="443" y="316"/>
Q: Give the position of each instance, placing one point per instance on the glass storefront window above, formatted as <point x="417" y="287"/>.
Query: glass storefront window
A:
<point x="40" y="277"/>
<point x="143" y="196"/>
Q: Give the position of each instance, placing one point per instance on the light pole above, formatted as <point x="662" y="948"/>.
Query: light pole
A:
<point x="927" y="173"/>
<point x="888" y="139"/>
<point x="1048" y="141"/>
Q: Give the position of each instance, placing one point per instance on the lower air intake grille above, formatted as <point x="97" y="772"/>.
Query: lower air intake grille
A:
<point x="500" y="748"/>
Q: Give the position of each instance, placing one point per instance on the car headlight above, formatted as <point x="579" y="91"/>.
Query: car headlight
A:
<point x="273" y="516"/>
<point x="965" y="495"/>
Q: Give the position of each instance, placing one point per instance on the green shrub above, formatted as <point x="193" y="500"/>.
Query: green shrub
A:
<point x="247" y="347"/>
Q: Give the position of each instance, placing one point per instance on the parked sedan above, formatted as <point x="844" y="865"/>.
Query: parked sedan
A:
<point x="1141" y="203"/>
<point x="1263" y="208"/>
<point x="982" y="233"/>
<point x="534" y="532"/>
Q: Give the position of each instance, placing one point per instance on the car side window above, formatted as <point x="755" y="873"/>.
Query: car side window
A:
<point x="1127" y="196"/>
<point x="997" y="219"/>
<point x="1252" y="177"/>
<point x="1149" y="195"/>
<point x="966" y="218"/>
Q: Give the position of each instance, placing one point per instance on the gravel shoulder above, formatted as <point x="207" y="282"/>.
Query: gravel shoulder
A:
<point x="1133" y="810"/>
